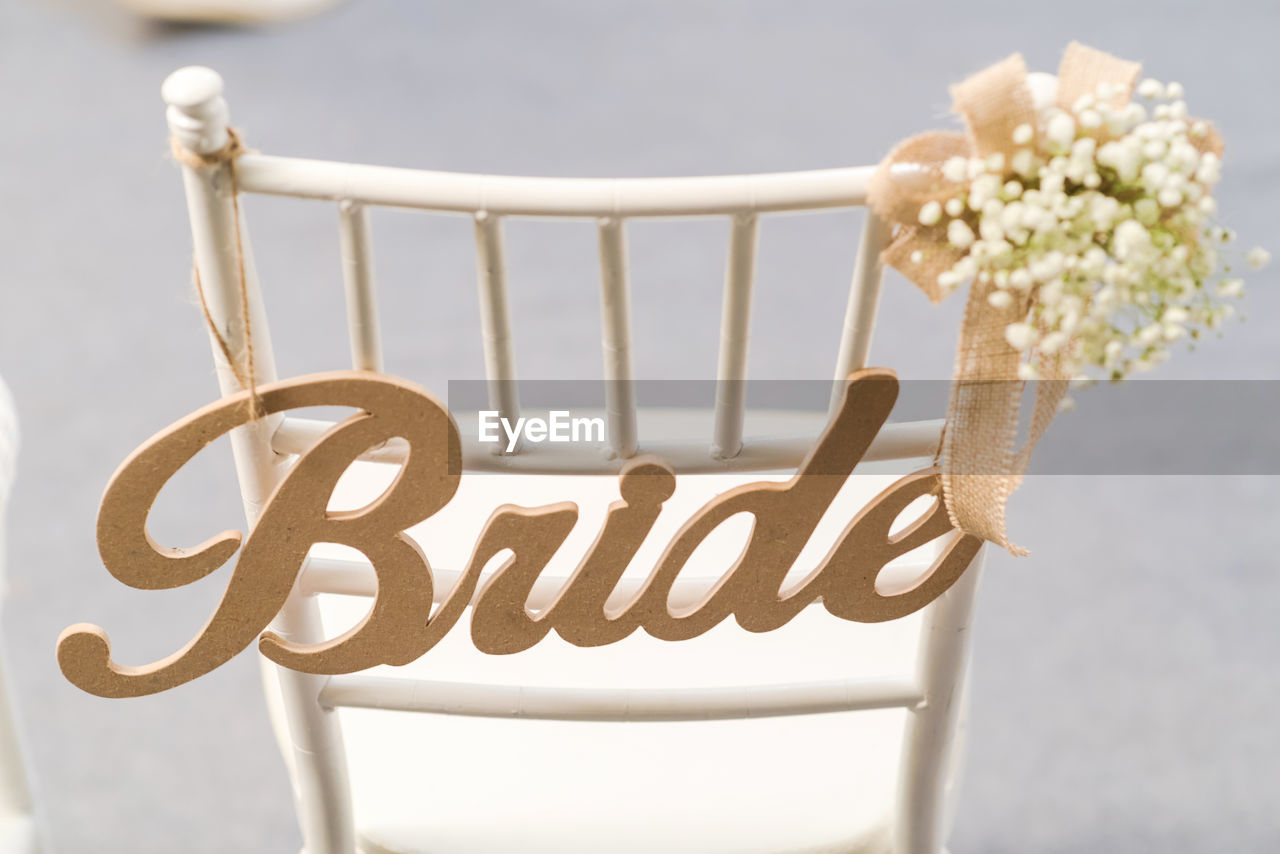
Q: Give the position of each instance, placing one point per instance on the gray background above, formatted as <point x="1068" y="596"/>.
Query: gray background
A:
<point x="1126" y="680"/>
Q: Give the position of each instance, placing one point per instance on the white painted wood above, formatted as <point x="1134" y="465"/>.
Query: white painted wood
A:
<point x="197" y="113"/>
<point x="864" y="300"/>
<point x="198" y="118"/>
<point x="735" y="329"/>
<point x="311" y="736"/>
<point x="615" y="318"/>
<point x="20" y="833"/>
<point x="930" y="748"/>
<point x="356" y="242"/>
<point x="587" y="198"/>
<point x="908" y="440"/>
<point x="495" y="324"/>
<point x="535" y="702"/>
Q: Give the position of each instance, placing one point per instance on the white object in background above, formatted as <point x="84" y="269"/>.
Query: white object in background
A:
<point x="873" y="773"/>
<point x="18" y="833"/>
<point x="226" y="11"/>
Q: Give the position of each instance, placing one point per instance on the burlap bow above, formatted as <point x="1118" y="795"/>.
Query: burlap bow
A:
<point x="980" y="459"/>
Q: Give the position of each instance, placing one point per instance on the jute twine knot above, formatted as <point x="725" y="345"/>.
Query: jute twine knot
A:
<point x="246" y="374"/>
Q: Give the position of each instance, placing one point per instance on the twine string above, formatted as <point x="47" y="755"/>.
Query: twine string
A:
<point x="247" y="376"/>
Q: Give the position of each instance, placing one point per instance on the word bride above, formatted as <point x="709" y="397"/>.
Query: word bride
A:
<point x="400" y="625"/>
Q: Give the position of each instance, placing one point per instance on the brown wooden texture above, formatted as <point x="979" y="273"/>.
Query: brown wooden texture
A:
<point x="400" y="626"/>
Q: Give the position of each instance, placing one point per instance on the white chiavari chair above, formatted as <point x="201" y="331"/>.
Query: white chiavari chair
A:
<point x="822" y="736"/>
<point x="18" y="830"/>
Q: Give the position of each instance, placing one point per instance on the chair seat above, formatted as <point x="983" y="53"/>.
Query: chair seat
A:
<point x="18" y="835"/>
<point x="433" y="784"/>
<point x="820" y="785"/>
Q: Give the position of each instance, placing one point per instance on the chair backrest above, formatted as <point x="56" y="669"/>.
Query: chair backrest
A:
<point x="198" y="117"/>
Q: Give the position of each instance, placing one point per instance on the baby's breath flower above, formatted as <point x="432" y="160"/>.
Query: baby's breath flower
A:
<point x="1258" y="257"/>
<point x="1053" y="342"/>
<point x="1103" y="211"/>
<point x="1148" y="335"/>
<point x="1147" y="211"/>
<point x="982" y="189"/>
<point x="1131" y="240"/>
<point x="1209" y="170"/>
<point x="955" y="169"/>
<point x="1169" y="197"/>
<point x="1024" y="161"/>
<point x="1020" y="335"/>
<point x="1083" y="148"/>
<point x="930" y="213"/>
<point x="1060" y="130"/>
<point x="1154" y="175"/>
<point x="1231" y="288"/>
<point x="959" y="234"/>
<point x="948" y="280"/>
<point x="1154" y="149"/>
<point x="1182" y="157"/>
<point x="1151" y="89"/>
<point x="1101" y="223"/>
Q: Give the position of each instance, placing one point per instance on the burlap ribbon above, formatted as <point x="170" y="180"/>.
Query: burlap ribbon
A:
<point x="981" y="461"/>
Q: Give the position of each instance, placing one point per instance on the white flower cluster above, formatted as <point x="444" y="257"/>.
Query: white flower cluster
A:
<point x="1101" y="224"/>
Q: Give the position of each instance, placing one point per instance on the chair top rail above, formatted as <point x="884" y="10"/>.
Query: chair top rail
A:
<point x="503" y="195"/>
<point x="618" y="704"/>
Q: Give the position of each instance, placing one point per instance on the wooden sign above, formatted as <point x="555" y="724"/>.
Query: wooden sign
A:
<point x="400" y="626"/>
